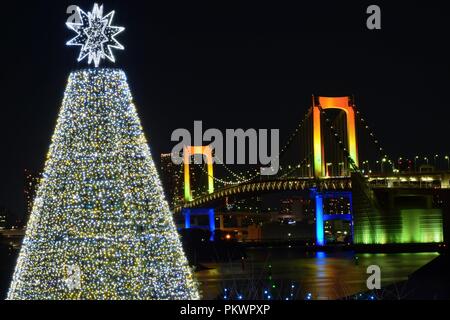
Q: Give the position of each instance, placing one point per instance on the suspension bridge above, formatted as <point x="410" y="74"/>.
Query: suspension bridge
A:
<point x="322" y="158"/>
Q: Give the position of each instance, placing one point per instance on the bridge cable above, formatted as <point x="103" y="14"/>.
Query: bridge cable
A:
<point x="257" y="172"/>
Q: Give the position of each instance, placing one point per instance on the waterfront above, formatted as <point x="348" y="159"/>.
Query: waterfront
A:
<point x="324" y="275"/>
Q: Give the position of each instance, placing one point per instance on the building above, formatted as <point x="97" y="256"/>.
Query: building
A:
<point x="172" y="180"/>
<point x="299" y="209"/>
<point x="3" y="218"/>
<point x="292" y="206"/>
<point x="337" y="230"/>
<point x="31" y="182"/>
<point x="250" y="204"/>
<point x="172" y="177"/>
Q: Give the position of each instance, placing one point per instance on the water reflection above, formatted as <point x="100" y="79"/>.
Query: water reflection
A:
<point x="321" y="275"/>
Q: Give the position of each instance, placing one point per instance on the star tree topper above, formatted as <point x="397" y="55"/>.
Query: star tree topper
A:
<point x="95" y="35"/>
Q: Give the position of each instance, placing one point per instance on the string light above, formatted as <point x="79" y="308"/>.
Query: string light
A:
<point x="100" y="206"/>
<point x="241" y="179"/>
<point x="380" y="149"/>
<point x="339" y="141"/>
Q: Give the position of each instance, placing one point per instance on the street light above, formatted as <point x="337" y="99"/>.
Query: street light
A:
<point x="448" y="162"/>
<point x="415" y="163"/>
<point x="426" y="159"/>
<point x="382" y="161"/>
<point x="435" y="160"/>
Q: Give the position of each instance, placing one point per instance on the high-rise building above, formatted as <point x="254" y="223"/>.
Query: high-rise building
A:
<point x="295" y="206"/>
<point x="337" y="230"/>
<point x="31" y="181"/>
<point x="339" y="205"/>
<point x="172" y="180"/>
<point x="250" y="204"/>
<point x="3" y="218"/>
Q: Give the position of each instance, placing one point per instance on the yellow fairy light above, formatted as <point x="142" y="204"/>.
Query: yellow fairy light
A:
<point x="100" y="227"/>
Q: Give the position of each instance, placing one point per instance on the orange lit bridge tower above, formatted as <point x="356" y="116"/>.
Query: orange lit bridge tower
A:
<point x="319" y="105"/>
<point x="319" y="163"/>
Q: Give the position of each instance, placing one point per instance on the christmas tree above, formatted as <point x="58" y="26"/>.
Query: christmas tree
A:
<point x="100" y="227"/>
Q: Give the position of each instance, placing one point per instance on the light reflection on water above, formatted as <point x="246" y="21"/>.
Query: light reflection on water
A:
<point x="324" y="275"/>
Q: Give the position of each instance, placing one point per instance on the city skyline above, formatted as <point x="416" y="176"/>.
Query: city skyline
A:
<point x="228" y="75"/>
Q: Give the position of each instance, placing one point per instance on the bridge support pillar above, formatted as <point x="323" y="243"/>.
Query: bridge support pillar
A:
<point x="187" y="218"/>
<point x="320" y="233"/>
<point x="321" y="217"/>
<point x="188" y="213"/>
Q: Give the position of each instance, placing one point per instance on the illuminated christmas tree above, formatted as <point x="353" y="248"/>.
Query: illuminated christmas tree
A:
<point x="100" y="227"/>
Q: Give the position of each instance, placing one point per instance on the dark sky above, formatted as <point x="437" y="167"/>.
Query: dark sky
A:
<point x="230" y="65"/>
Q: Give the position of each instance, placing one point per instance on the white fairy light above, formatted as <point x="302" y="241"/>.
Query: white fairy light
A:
<point x="95" y="35"/>
<point x="101" y="228"/>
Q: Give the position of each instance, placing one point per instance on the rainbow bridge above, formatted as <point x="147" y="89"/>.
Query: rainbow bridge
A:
<point x="327" y="165"/>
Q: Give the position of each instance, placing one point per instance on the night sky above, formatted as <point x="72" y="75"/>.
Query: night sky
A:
<point x="232" y="66"/>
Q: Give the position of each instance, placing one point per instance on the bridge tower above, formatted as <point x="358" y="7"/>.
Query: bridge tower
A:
<point x="189" y="151"/>
<point x="206" y="152"/>
<point x="320" y="171"/>
<point x="341" y="103"/>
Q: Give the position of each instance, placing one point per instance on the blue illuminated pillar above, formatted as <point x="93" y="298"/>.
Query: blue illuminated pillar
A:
<point x="212" y="223"/>
<point x="187" y="218"/>
<point x="320" y="236"/>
